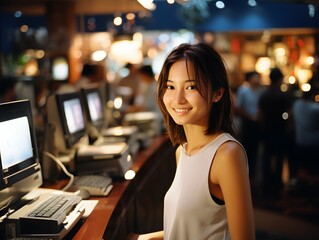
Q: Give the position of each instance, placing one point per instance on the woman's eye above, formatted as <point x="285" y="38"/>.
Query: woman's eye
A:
<point x="192" y="87"/>
<point x="169" y="87"/>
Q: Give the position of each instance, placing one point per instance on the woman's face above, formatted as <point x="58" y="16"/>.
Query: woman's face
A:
<point x="182" y="99"/>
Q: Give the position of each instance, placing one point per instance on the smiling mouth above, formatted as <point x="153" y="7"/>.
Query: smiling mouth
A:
<point x="182" y="110"/>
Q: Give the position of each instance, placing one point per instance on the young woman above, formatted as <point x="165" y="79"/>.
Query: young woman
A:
<point x="210" y="196"/>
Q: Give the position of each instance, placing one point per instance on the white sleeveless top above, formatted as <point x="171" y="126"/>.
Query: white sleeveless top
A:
<point x="190" y="213"/>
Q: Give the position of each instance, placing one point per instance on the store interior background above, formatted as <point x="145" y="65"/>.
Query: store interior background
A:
<point x="46" y="41"/>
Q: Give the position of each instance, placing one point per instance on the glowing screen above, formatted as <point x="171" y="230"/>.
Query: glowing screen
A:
<point x="74" y="115"/>
<point x="95" y="106"/>
<point x="15" y="142"/>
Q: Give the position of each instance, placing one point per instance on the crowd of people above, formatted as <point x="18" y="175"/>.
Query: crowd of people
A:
<point x="277" y="126"/>
<point x="246" y="107"/>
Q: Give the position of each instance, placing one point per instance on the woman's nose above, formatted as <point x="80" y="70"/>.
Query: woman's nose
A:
<point x="180" y="96"/>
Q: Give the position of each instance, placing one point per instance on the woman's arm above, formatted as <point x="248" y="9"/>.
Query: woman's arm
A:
<point x="230" y="172"/>
<point x="152" y="236"/>
<point x="160" y="234"/>
<point x="178" y="153"/>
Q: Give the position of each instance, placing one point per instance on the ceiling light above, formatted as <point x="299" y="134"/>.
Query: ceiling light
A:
<point x="263" y="65"/>
<point x="148" y="4"/>
<point x="18" y="14"/>
<point x="252" y="3"/>
<point x="130" y="16"/>
<point x="117" y="21"/>
<point x="98" y="55"/>
<point x="60" y="68"/>
<point x="31" y="68"/>
<point x="220" y="4"/>
<point x="24" y="28"/>
<point x="306" y="87"/>
<point x="126" y="51"/>
<point x="312" y="10"/>
<point x="291" y="80"/>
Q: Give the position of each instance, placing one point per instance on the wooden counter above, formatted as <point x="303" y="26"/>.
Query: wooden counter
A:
<point x="133" y="205"/>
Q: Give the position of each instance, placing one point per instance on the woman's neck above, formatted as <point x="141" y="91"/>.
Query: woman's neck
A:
<point x="197" y="139"/>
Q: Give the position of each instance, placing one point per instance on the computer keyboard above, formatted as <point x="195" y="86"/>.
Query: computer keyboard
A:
<point x="49" y="215"/>
<point x="96" y="185"/>
<point x="50" y="207"/>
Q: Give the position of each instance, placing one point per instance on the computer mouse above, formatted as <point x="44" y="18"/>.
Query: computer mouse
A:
<point x="82" y="193"/>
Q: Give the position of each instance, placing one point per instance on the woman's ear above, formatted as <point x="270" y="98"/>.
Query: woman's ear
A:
<point x="218" y="94"/>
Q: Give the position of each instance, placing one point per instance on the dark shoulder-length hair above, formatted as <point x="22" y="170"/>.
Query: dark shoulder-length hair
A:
<point x="210" y="75"/>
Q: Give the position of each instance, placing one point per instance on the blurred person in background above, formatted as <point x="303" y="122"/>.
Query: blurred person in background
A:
<point x="145" y="99"/>
<point x="246" y="108"/>
<point x="91" y="73"/>
<point x="130" y="81"/>
<point x="275" y="109"/>
<point x="88" y="75"/>
<point x="306" y="122"/>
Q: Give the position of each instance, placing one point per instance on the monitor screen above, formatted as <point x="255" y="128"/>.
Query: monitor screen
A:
<point x="94" y="107"/>
<point x="17" y="137"/>
<point x="73" y="115"/>
<point x="66" y="116"/>
<point x="20" y="169"/>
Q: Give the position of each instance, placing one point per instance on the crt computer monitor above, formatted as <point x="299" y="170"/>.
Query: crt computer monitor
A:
<point x="65" y="118"/>
<point x="93" y="106"/>
<point x="20" y="170"/>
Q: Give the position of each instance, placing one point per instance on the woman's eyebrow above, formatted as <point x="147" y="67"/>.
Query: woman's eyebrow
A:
<point x="191" y="81"/>
<point x="186" y="81"/>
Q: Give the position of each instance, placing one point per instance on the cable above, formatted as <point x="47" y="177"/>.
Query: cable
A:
<point x="66" y="172"/>
<point x="5" y="205"/>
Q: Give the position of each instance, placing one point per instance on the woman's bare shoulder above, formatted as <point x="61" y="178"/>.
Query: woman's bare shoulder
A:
<point x="178" y="153"/>
<point x="230" y="155"/>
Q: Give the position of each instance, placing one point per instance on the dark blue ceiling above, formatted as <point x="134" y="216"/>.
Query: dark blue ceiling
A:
<point x="236" y="16"/>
